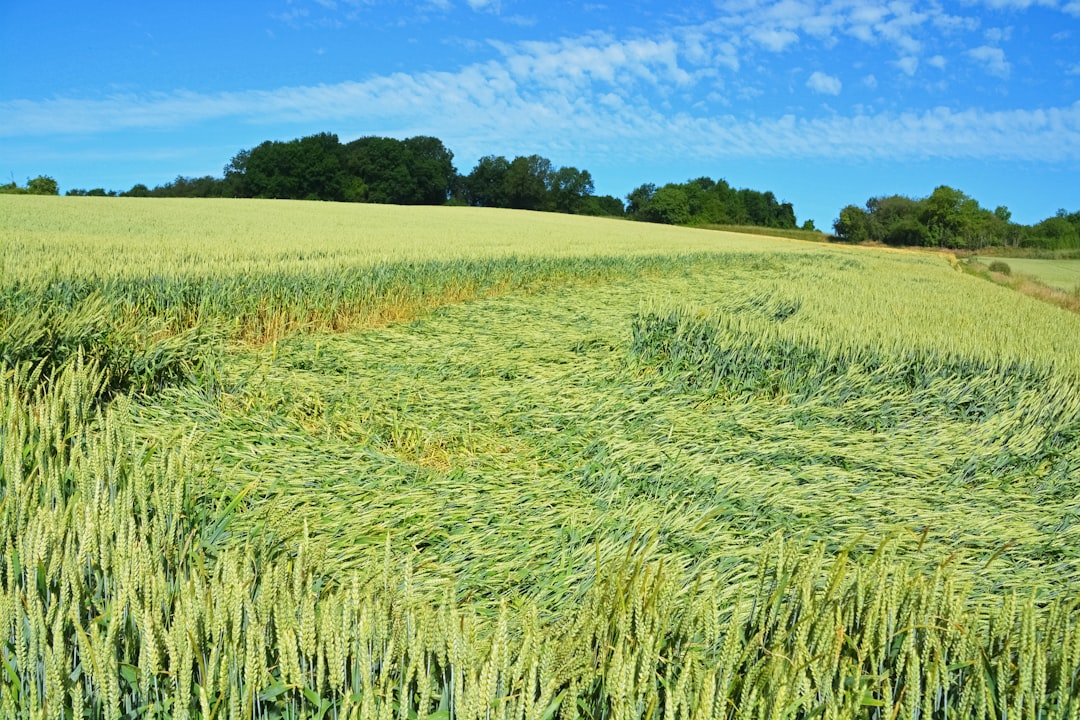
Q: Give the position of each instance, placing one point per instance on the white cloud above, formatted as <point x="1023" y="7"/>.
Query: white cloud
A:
<point x="1017" y="4"/>
<point x="1072" y="8"/>
<point x="1074" y="70"/>
<point x="773" y="39"/>
<point x="819" y="82"/>
<point x="597" y="89"/>
<point x="992" y="59"/>
<point x="575" y="63"/>
<point x="493" y="106"/>
<point x="908" y="65"/>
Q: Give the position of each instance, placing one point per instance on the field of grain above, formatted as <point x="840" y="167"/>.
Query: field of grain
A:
<point x="1060" y="274"/>
<point x="292" y="460"/>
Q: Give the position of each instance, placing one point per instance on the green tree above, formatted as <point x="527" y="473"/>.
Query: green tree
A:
<point x="853" y="225"/>
<point x="309" y="168"/>
<point x="570" y="189"/>
<point x="528" y="180"/>
<point x="432" y="167"/>
<point x="668" y="205"/>
<point x="1055" y="233"/>
<point x="948" y="217"/>
<point x="384" y="166"/>
<point x="486" y="185"/>
<point x="603" y="205"/>
<point x="638" y="198"/>
<point x="42" y="185"/>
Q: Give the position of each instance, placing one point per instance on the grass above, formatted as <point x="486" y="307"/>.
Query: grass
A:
<point x="582" y="421"/>
<point x="50" y="237"/>
<point x="1060" y="274"/>
<point x="1044" y="279"/>
<point x="564" y="474"/>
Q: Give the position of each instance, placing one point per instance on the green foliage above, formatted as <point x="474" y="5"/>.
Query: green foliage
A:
<point x="190" y="187"/>
<point x="853" y="225"/>
<point x="1000" y="266"/>
<point x="138" y="190"/>
<point x="307" y="168"/>
<point x="949" y="218"/>
<point x="40" y="185"/>
<point x="707" y="202"/>
<point x="415" y="171"/>
<point x="639" y="198"/>
<point x="527" y="183"/>
<point x="486" y="185"/>
<point x="602" y="205"/>
<point x="420" y="171"/>
<point x="571" y="189"/>
<point x="668" y="205"/>
<point x="1061" y="231"/>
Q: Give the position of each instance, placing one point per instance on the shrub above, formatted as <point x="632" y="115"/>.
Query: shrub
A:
<point x="1000" y="266"/>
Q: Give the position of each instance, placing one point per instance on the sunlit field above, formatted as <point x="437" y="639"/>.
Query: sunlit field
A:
<point x="1060" y="274"/>
<point x="125" y="237"/>
<point x="276" y="459"/>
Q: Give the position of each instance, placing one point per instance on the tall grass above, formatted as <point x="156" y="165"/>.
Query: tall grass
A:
<point x="117" y="601"/>
<point x="615" y="484"/>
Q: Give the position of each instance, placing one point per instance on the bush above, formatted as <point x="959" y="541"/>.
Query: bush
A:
<point x="1000" y="266"/>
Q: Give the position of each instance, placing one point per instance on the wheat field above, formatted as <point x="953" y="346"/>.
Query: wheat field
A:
<point x="302" y="460"/>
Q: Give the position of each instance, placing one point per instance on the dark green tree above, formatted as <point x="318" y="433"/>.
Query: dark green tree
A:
<point x="570" y="189"/>
<point x="527" y="183"/>
<point x="42" y="185"/>
<point x="853" y="225"/>
<point x="638" y="198"/>
<point x="383" y="165"/>
<point x="486" y="185"/>
<point x="603" y="205"/>
<point x="137" y="190"/>
<point x="432" y="168"/>
<point x="309" y="168"/>
<point x="668" y="205"/>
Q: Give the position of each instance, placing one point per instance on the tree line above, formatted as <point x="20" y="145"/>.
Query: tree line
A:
<point x="41" y="185"/>
<point x="705" y="201"/>
<point x="420" y="171"/>
<point x="414" y="171"/>
<point x="949" y="218"/>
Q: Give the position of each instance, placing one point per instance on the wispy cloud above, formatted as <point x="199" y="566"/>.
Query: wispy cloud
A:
<point x="534" y="95"/>
<point x="992" y="59"/>
<point x="598" y="90"/>
<point x="908" y="65"/>
<point x="819" y="82"/>
<point x="774" y="39"/>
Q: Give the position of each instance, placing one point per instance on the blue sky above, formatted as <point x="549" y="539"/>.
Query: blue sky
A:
<point x="824" y="102"/>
